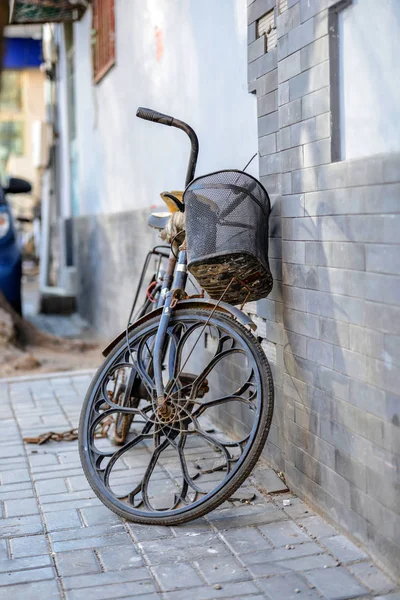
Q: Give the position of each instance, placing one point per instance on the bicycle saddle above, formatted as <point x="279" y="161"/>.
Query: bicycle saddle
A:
<point x="159" y="220"/>
<point x="173" y="200"/>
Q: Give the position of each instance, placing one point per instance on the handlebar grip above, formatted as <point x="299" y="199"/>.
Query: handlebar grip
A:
<point x="152" y="115"/>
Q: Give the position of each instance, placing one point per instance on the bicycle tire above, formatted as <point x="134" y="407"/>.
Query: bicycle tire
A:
<point x="250" y="458"/>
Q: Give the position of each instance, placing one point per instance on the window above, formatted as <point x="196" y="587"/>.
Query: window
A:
<point x="283" y="5"/>
<point x="266" y="27"/>
<point x="103" y="37"/>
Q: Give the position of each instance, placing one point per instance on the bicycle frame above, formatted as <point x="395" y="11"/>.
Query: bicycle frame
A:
<point x="170" y="295"/>
<point x="158" y="252"/>
<point x="176" y="274"/>
<point x="175" y="278"/>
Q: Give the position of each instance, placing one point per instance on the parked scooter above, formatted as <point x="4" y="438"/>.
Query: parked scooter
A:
<point x="10" y="253"/>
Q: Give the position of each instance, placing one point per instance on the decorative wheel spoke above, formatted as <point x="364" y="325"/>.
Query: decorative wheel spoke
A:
<point x="119" y="453"/>
<point x="217" y="402"/>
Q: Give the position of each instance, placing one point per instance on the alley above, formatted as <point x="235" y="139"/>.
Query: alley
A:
<point x="210" y="192"/>
<point x="59" y="541"/>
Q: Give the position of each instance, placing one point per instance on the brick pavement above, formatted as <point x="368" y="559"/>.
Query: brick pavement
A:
<point x="58" y="541"/>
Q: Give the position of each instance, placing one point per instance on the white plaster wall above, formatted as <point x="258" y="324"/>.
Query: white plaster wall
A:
<point x="369" y="42"/>
<point x="201" y="78"/>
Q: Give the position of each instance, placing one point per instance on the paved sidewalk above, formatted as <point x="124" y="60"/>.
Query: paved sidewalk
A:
<point x="58" y="541"/>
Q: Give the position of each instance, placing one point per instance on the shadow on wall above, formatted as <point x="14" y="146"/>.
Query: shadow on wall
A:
<point x="323" y="404"/>
<point x="319" y="393"/>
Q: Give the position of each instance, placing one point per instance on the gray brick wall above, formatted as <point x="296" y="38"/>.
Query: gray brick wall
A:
<point x="331" y="326"/>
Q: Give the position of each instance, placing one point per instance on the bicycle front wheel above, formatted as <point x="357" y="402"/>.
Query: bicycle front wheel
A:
<point x="180" y="463"/>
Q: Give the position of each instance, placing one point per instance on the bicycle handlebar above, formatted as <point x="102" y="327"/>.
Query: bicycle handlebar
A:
<point x="156" y="117"/>
<point x="152" y="115"/>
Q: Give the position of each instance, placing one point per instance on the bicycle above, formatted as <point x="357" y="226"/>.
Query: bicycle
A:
<point x="191" y="435"/>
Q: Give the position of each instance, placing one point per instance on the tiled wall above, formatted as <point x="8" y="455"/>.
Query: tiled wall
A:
<point x="331" y="326"/>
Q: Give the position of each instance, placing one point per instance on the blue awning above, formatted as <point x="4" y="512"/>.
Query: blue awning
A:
<point x="22" y="53"/>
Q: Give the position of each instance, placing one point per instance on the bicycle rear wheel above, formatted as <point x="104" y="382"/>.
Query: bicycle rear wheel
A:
<point x="178" y="465"/>
<point x="123" y="421"/>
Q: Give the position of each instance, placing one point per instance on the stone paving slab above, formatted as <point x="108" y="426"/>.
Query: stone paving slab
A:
<point x="57" y="541"/>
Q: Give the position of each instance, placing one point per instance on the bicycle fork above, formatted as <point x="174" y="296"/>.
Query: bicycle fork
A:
<point x="178" y="288"/>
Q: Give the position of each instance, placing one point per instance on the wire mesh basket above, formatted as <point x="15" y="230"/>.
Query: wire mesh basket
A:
<point x="227" y="216"/>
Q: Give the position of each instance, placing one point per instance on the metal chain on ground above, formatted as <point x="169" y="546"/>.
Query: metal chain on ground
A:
<point x="71" y="435"/>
